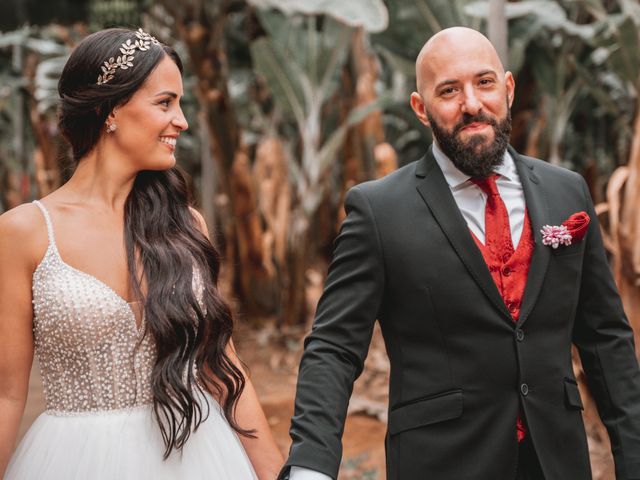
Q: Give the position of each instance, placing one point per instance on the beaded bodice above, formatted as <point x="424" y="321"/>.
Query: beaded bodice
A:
<point x="92" y="355"/>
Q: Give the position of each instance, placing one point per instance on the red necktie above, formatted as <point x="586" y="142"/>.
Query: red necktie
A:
<point x="497" y="231"/>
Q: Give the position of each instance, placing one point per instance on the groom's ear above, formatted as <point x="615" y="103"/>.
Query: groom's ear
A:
<point x="510" y="85"/>
<point x="419" y="108"/>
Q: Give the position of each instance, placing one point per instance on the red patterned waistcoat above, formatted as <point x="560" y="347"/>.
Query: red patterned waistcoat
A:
<point x="510" y="276"/>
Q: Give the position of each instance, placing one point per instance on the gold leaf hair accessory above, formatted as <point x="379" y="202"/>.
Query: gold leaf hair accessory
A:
<point x="143" y="43"/>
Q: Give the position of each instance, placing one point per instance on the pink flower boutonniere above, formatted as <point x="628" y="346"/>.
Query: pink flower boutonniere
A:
<point x="573" y="229"/>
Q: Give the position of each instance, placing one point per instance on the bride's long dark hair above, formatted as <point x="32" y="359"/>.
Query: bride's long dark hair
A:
<point x="164" y="245"/>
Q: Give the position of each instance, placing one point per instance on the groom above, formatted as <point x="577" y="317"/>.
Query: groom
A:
<point x="478" y="301"/>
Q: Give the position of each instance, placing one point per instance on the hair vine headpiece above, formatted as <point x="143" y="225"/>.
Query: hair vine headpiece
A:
<point x="124" y="61"/>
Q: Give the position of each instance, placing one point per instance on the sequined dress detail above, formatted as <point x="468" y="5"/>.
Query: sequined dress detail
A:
<point x="96" y="365"/>
<point x="91" y="353"/>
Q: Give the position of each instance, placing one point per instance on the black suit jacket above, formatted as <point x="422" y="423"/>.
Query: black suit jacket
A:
<point x="460" y="367"/>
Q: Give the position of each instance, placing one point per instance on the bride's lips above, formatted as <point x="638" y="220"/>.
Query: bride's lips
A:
<point x="169" y="141"/>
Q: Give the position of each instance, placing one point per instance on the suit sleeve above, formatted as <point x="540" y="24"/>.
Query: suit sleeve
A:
<point x="605" y="342"/>
<point x="337" y="346"/>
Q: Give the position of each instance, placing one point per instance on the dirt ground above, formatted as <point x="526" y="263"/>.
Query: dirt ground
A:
<point x="273" y="357"/>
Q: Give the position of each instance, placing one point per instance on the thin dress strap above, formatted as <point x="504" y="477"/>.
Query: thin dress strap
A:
<point x="47" y="219"/>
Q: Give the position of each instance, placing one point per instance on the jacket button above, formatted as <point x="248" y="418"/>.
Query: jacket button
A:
<point x="524" y="389"/>
<point x="506" y="271"/>
<point x="519" y="334"/>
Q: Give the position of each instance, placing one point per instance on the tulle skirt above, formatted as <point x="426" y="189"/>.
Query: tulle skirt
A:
<point x="126" y="445"/>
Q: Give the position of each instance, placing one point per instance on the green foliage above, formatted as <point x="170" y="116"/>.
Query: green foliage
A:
<point x="112" y="13"/>
<point x="292" y="73"/>
<point x="18" y="92"/>
<point x="411" y="23"/>
<point x="301" y="59"/>
<point x="577" y="61"/>
<point x="16" y="13"/>
<point x="369" y="14"/>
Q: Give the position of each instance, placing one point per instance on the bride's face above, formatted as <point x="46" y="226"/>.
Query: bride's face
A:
<point x="149" y="124"/>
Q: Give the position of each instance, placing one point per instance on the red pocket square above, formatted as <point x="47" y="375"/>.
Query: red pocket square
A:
<point x="577" y="224"/>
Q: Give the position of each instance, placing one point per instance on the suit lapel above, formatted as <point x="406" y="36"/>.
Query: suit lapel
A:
<point x="435" y="192"/>
<point x="537" y="208"/>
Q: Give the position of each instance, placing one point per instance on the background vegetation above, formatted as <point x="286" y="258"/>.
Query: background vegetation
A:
<point x="291" y="103"/>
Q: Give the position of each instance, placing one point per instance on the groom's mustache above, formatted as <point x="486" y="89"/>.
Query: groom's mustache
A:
<point x="468" y="119"/>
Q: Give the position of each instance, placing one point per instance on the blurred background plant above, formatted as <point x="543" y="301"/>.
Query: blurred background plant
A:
<point x="291" y="102"/>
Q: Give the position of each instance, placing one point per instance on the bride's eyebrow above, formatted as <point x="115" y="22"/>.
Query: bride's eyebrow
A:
<point x="166" y="92"/>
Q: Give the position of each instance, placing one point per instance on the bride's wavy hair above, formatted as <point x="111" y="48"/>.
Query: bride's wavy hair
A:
<point x="164" y="245"/>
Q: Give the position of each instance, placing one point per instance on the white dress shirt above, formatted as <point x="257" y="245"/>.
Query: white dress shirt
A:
<point x="300" y="473"/>
<point x="471" y="201"/>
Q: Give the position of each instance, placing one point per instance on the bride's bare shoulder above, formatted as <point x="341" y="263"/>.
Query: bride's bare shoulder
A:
<point x="20" y="220"/>
<point x="23" y="232"/>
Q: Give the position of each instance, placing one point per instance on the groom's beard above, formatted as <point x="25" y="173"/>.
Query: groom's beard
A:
<point x="473" y="157"/>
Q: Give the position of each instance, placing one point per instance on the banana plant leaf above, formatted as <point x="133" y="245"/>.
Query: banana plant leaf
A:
<point x="46" y="82"/>
<point x="371" y="15"/>
<point x="550" y="15"/>
<point x="283" y="77"/>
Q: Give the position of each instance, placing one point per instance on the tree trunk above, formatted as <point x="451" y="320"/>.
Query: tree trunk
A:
<point x="363" y="157"/>
<point x="237" y="214"/>
<point x="274" y="201"/>
<point x="621" y="235"/>
<point x="18" y="128"/>
<point x="629" y="234"/>
<point x="366" y="69"/>
<point x="45" y="156"/>
<point x="252" y="279"/>
<point x="294" y="308"/>
<point x="498" y="29"/>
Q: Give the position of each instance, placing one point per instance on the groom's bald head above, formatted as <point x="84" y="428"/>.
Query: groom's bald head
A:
<point x="454" y="45"/>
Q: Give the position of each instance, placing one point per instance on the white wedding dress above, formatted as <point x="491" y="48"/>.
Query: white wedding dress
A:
<point x="96" y="366"/>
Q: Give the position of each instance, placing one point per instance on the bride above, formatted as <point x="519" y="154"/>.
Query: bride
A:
<point x="112" y="282"/>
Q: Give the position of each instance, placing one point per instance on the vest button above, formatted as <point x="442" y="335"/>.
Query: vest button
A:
<point x="519" y="334"/>
<point x="506" y="271"/>
<point x="524" y="389"/>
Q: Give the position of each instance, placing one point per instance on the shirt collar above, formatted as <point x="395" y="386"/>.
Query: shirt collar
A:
<point x="456" y="179"/>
